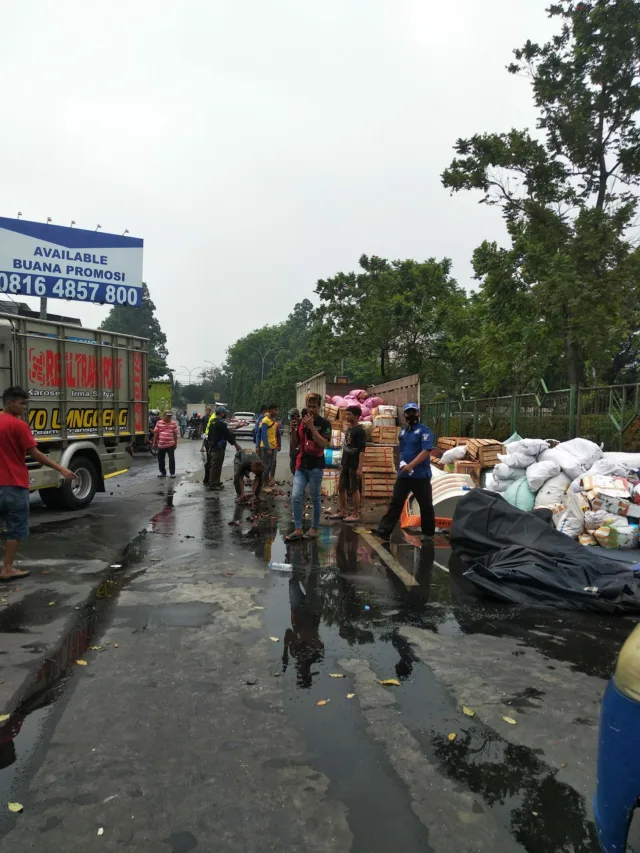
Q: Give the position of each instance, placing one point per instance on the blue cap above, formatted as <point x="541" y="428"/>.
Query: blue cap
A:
<point x="408" y="406"/>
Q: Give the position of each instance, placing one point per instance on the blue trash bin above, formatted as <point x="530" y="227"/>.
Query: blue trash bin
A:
<point x="618" y="779"/>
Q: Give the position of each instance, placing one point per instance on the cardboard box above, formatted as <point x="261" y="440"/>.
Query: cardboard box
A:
<point x="380" y="421"/>
<point x="386" y="412"/>
<point x="611" y="502"/>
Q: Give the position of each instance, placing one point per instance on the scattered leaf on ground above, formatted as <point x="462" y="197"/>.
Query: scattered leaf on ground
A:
<point x="452" y="736"/>
<point x="509" y="720"/>
<point x="275" y="639"/>
<point x="336" y="675"/>
<point x="468" y="711"/>
<point x="95" y="648"/>
<point x="350" y="695"/>
<point x="116" y="645"/>
<point x="257" y="608"/>
<point x="51" y="603"/>
<point x="323" y="702"/>
<point x="564" y="764"/>
<point x="390" y="682"/>
<point x="4" y="717"/>
<point x="15" y="807"/>
<point x="81" y="662"/>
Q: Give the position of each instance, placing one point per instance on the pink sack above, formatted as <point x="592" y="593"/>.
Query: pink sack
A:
<point x="328" y="398"/>
<point x="373" y="402"/>
<point x="340" y="402"/>
<point x="357" y="393"/>
<point x="368" y="419"/>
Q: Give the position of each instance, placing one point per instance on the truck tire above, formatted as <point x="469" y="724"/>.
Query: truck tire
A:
<point x="79" y="493"/>
<point x="51" y="498"/>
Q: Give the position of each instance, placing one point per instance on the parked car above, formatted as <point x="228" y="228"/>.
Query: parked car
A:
<point x="242" y="424"/>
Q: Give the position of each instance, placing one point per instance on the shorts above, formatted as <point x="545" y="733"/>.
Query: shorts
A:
<point x="14" y="509"/>
<point x="349" y="481"/>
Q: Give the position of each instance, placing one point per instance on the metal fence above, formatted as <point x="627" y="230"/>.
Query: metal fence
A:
<point x="607" y="414"/>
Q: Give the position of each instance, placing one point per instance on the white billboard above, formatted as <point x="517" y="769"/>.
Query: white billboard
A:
<point x="69" y="263"/>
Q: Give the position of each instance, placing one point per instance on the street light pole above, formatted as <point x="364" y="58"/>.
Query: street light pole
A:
<point x="259" y="351"/>
<point x="200" y="367"/>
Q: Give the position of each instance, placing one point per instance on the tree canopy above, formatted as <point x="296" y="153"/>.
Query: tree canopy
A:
<point x="143" y="322"/>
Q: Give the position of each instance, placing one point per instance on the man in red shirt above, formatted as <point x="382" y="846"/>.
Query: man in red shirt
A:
<point x="15" y="441"/>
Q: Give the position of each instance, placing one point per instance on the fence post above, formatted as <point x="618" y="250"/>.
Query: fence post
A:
<point x="573" y="410"/>
<point x="475" y="418"/>
<point x="514" y="413"/>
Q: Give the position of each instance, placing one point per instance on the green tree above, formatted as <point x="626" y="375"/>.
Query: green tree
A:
<point x="142" y="322"/>
<point x="564" y="291"/>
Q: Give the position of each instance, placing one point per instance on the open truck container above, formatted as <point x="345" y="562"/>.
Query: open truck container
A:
<point x="87" y="401"/>
<point x="394" y="393"/>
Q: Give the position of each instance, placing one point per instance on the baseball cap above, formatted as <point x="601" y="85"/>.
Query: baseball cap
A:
<point x="408" y="406"/>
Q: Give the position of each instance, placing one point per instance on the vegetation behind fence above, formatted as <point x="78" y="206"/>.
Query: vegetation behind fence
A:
<point x="607" y="414"/>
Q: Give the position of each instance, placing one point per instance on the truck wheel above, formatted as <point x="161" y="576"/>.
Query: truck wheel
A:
<point x="79" y="493"/>
<point x="51" y="498"/>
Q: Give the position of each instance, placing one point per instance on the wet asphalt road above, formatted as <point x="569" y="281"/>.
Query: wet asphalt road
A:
<point x="194" y="725"/>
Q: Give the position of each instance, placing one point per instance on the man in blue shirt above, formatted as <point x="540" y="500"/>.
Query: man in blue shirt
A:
<point x="414" y="476"/>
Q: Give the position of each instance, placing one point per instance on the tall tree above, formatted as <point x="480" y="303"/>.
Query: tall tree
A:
<point x="567" y="194"/>
<point x="143" y="322"/>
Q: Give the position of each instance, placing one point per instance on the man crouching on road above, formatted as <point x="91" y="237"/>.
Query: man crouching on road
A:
<point x="414" y="476"/>
<point x="16" y="440"/>
<point x="244" y="464"/>
<point x="218" y="436"/>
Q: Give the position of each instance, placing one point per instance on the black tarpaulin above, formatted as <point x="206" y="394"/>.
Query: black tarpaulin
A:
<point x="516" y="557"/>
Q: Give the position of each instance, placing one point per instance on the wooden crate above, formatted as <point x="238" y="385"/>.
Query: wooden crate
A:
<point x="378" y="485"/>
<point x="385" y="435"/>
<point x="379" y="459"/>
<point x="447" y="442"/>
<point x="473" y="469"/>
<point x="485" y="451"/>
<point x="331" y="412"/>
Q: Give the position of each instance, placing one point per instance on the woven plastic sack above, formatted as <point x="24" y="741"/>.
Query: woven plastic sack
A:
<point x="540" y="472"/>
<point x="520" y="495"/>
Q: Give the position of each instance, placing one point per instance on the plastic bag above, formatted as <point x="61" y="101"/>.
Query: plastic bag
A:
<point x="571" y="521"/>
<point x="520" y="495"/>
<point x="538" y="474"/>
<point x="593" y="519"/>
<point x="512" y="438"/>
<point x="553" y="491"/>
<point x="453" y="454"/>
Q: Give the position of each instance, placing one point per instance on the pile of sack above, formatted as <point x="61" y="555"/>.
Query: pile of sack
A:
<point x="359" y="397"/>
<point x="594" y="496"/>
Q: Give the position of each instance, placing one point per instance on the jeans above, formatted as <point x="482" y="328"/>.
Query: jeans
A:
<point x="166" y="451"/>
<point x="403" y="488"/>
<point x="300" y="479"/>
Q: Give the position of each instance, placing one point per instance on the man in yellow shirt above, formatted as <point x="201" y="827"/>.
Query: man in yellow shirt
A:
<point x="268" y="440"/>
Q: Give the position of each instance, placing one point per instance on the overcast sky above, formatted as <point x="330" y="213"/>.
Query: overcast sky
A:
<point x="255" y="145"/>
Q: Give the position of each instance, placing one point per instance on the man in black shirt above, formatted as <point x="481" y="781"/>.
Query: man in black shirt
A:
<point x="355" y="444"/>
<point x="218" y="436"/>
<point x="244" y="464"/>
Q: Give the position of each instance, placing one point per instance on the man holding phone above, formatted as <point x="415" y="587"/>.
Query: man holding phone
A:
<point x="311" y="438"/>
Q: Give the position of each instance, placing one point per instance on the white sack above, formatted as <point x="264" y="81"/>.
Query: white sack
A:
<point x="530" y="446"/>
<point x="605" y="467"/>
<point x="574" y="457"/>
<point x="593" y="519"/>
<point x="630" y="461"/>
<point x="454" y="454"/>
<point x="489" y="483"/>
<point x="554" y="491"/>
<point x="571" y="521"/>
<point x="502" y="471"/>
<point x="538" y="474"/>
<point x="517" y="460"/>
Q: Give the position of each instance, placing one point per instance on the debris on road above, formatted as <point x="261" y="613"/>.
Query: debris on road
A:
<point x="452" y="736"/>
<point x="468" y="711"/>
<point x="323" y="702"/>
<point x="509" y="720"/>
<point x="16" y="808"/>
<point x="390" y="682"/>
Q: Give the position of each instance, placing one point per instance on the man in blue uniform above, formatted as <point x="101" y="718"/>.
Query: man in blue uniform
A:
<point x="414" y="475"/>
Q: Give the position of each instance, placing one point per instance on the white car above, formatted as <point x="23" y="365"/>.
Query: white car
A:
<point x="243" y="424"/>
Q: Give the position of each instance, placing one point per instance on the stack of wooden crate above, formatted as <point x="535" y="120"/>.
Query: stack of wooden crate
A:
<point x="484" y="450"/>
<point x="379" y="471"/>
<point x="385" y="435"/>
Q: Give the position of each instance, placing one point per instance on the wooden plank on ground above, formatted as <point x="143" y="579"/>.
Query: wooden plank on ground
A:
<point x="387" y="558"/>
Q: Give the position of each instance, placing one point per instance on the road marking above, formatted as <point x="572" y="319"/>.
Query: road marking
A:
<point x="440" y="566"/>
<point x="389" y="559"/>
<point x="115" y="474"/>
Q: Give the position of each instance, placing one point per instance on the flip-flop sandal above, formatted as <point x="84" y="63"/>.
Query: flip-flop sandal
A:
<point x="352" y="520"/>
<point x="337" y="517"/>
<point x="310" y="536"/>
<point x="15" y="577"/>
<point x="292" y="538"/>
